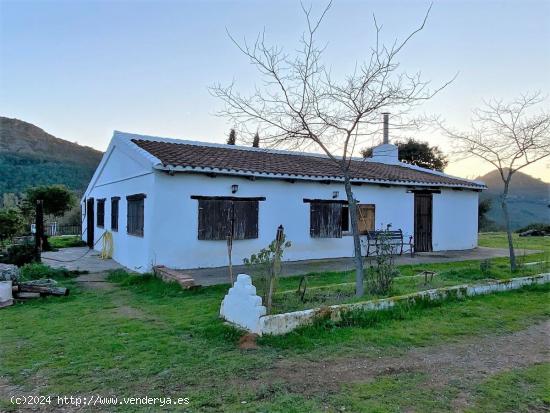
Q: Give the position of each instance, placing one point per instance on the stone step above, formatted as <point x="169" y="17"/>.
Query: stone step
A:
<point x="169" y="275"/>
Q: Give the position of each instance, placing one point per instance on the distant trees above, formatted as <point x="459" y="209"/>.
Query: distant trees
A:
<point x="232" y="139"/>
<point x="256" y="141"/>
<point x="483" y="209"/>
<point x="11" y="223"/>
<point x="417" y="153"/>
<point x="57" y="199"/>
<point x="510" y="136"/>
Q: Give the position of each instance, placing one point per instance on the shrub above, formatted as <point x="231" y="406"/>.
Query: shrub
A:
<point x="267" y="262"/>
<point x="379" y="277"/>
<point x="11" y="223"/>
<point x="538" y="226"/>
<point x="21" y="254"/>
<point x="485" y="267"/>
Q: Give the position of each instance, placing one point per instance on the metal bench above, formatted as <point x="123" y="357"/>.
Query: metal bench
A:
<point x="394" y="238"/>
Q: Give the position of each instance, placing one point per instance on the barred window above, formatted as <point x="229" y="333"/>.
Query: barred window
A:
<point x="101" y="212"/>
<point x="114" y="213"/>
<point x="135" y="214"/>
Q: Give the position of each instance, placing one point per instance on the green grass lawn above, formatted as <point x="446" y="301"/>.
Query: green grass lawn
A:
<point x="141" y="337"/>
<point x="66" y="241"/>
<point x="338" y="287"/>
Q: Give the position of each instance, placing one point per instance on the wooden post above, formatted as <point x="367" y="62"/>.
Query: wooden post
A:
<point x="275" y="267"/>
<point x="229" y="253"/>
<point x="39" y="230"/>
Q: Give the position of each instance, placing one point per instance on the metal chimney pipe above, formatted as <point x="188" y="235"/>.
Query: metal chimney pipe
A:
<point x="386" y="127"/>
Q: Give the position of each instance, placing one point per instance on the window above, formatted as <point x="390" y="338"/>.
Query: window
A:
<point x="134" y="214"/>
<point x="365" y="214"/>
<point x="114" y="213"/>
<point x="325" y="219"/>
<point x="101" y="212"/>
<point x="220" y="217"/>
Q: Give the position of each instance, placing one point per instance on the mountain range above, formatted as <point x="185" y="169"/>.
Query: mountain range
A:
<point x="29" y="156"/>
<point x="528" y="199"/>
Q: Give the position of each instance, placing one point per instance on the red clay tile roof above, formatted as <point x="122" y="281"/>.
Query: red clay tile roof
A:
<point x="267" y="162"/>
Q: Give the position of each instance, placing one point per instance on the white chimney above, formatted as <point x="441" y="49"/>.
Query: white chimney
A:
<point x="385" y="153"/>
<point x="386" y="116"/>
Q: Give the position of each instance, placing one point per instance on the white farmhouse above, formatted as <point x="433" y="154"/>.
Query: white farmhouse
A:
<point x="172" y="202"/>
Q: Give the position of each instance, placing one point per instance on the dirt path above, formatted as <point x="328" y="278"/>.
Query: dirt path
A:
<point x="95" y="281"/>
<point x="468" y="361"/>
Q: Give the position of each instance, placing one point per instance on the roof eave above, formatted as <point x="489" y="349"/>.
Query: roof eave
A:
<point x="242" y="173"/>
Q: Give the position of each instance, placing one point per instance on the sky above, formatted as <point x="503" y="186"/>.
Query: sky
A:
<point x="81" y="69"/>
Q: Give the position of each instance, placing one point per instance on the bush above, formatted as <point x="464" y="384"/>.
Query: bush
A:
<point x="379" y="277"/>
<point x="36" y="271"/>
<point x="485" y="267"/>
<point x="22" y="254"/>
<point x="538" y="226"/>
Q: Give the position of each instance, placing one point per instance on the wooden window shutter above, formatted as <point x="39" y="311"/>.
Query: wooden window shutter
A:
<point x="214" y="219"/>
<point x="325" y="220"/>
<point x="245" y="219"/>
<point x="366" y="217"/>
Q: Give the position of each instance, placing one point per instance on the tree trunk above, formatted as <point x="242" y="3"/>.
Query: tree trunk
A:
<point x="39" y="227"/>
<point x="358" y="258"/>
<point x="508" y="225"/>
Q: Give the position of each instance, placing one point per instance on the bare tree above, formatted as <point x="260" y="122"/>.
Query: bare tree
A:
<point x="300" y="105"/>
<point x="510" y="136"/>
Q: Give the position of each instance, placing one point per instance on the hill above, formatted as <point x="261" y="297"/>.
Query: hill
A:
<point x="29" y="156"/>
<point x="528" y="200"/>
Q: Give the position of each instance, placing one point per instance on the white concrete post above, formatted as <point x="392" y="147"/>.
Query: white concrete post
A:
<point x="242" y="306"/>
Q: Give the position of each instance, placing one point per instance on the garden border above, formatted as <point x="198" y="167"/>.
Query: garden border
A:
<point x="278" y="324"/>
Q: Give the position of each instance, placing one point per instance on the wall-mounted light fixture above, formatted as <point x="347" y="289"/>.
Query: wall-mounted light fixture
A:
<point x="335" y="194"/>
<point x="234" y="188"/>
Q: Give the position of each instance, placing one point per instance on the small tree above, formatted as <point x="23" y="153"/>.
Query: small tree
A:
<point x="268" y="261"/>
<point x="483" y="208"/>
<point x="300" y="104"/>
<point x="417" y="153"/>
<point x="380" y="275"/>
<point x="57" y="199"/>
<point x="232" y="139"/>
<point x="509" y="136"/>
<point x="256" y="141"/>
<point x="11" y="223"/>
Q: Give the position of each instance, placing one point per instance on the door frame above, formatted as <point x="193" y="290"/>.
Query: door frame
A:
<point x="423" y="239"/>
<point x="90" y="222"/>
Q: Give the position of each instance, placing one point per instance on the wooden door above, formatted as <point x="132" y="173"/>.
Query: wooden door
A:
<point x="422" y="222"/>
<point x="90" y="222"/>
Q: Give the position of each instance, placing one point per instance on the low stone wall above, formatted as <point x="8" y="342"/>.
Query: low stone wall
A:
<point x="278" y="324"/>
<point x="284" y="323"/>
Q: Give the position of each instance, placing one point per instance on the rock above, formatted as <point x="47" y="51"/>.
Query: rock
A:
<point x="9" y="272"/>
<point x="47" y="282"/>
<point x="533" y="233"/>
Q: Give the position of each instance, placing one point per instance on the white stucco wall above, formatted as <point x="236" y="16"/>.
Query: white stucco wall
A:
<point x="124" y="174"/>
<point x="454" y="225"/>
<point x="175" y="242"/>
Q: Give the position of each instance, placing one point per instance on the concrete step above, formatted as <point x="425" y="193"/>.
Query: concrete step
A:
<point x="170" y="275"/>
